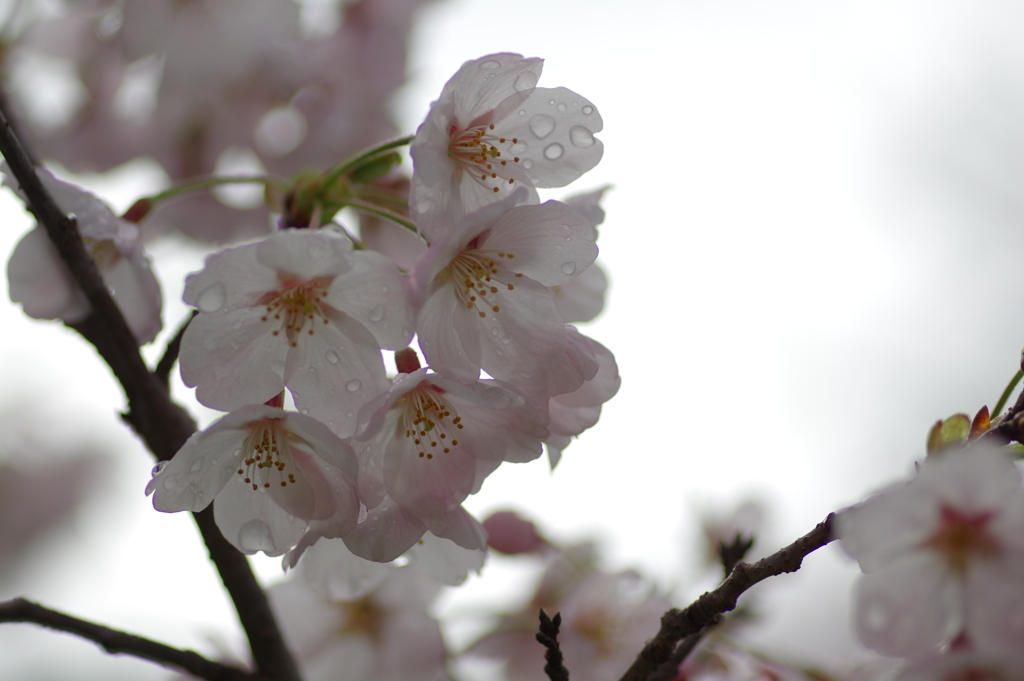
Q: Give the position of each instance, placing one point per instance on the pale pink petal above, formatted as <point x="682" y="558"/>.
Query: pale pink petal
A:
<point x="252" y="521"/>
<point x="909" y="609"/>
<point x="378" y="296"/>
<point x="444" y="561"/>
<point x="387" y="532"/>
<point x="197" y="473"/>
<point x="305" y="253"/>
<point x="137" y="294"/>
<point x="551" y="243"/>
<point x="459" y="526"/>
<point x="40" y="281"/>
<point x="582" y="299"/>
<point x="332" y="569"/>
<point x="232" y="360"/>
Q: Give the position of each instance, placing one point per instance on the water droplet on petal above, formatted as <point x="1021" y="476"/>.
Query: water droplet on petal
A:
<point x="587" y="110"/>
<point x="522" y="112"/>
<point x="568" y="238"/>
<point x="551" y="102"/>
<point x="332" y="357"/>
<point x="527" y="163"/>
<point x="349" y="414"/>
<point x="304" y="411"/>
<point x="581" y="137"/>
<point x="568" y="268"/>
<point x="212" y="298"/>
<point x="377" y="313"/>
<point x="490" y="64"/>
<point x="494" y="331"/>
<point x="170" y="482"/>
<point x="520" y="147"/>
<point x="355" y="384"/>
<point x="506" y="340"/>
<point x="196" y="465"/>
<point x="558" y="247"/>
<point x="553" y="151"/>
<point x="561" y="106"/>
<point x="525" y="81"/>
<point x="384" y="289"/>
<point x="159" y="467"/>
<point x="542" y="125"/>
<point x="255" y="536"/>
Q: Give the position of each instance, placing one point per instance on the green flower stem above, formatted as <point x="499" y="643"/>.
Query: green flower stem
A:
<point x="211" y="182"/>
<point x="1006" y="394"/>
<point x="384" y="213"/>
<point x="337" y="171"/>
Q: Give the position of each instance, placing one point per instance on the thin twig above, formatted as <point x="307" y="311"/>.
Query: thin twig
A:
<point x="162" y="424"/>
<point x="119" y="642"/>
<point x="548" y="637"/>
<point x="166" y="363"/>
<point x="678" y="624"/>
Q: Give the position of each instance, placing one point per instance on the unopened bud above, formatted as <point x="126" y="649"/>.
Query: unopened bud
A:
<point x="406" y="360"/>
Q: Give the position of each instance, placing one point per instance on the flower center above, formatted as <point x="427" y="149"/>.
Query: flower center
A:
<point x="478" y="279"/>
<point x="429" y="421"/>
<point x="476" y="151"/>
<point x="963" y="535"/>
<point x="266" y="455"/>
<point x="103" y="252"/>
<point x="297" y="305"/>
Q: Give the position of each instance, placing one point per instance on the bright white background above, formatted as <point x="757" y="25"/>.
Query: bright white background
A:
<point x="815" y="245"/>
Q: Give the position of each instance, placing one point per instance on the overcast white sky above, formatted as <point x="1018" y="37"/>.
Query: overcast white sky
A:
<point x="814" y="243"/>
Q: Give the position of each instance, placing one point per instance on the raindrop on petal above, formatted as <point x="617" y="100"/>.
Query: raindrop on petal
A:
<point x="568" y="268"/>
<point x="542" y="125"/>
<point x="353" y="385"/>
<point x="581" y="137"/>
<point x="212" y="298"/>
<point x="304" y="411"/>
<point x="587" y="110"/>
<point x="490" y="64"/>
<point x="255" y="536"/>
<point x="561" y="106"/>
<point x="527" y="163"/>
<point x="332" y="357"/>
<point x="553" y="151"/>
<point x="377" y="313"/>
<point x="196" y="465"/>
<point x="525" y="81"/>
<point x="519" y="147"/>
<point x="494" y="331"/>
<point x="159" y="467"/>
<point x="170" y="482"/>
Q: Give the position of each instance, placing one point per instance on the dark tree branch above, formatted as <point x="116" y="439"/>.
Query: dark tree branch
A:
<point x="548" y="637"/>
<point x="162" y="424"/>
<point x="119" y="642"/>
<point x="166" y="364"/>
<point x="678" y="624"/>
<point x="670" y="669"/>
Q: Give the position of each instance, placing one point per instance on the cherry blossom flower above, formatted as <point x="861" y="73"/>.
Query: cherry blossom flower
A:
<point x="966" y="665"/>
<point x="42" y="283"/>
<point x="943" y="557"/>
<point x="301" y="310"/>
<point x="486" y="289"/>
<point x="385" y="635"/>
<point x="491" y="131"/>
<point x="570" y="413"/>
<point x="271" y="474"/>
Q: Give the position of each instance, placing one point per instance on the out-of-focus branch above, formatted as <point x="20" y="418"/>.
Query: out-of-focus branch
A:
<point x="119" y="642"/>
<point x="678" y="624"/>
<point x="166" y="364"/>
<point x="548" y="637"/>
<point x="162" y="424"/>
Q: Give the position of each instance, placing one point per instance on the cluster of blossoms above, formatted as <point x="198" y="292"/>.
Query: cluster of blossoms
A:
<point x="379" y="462"/>
<point x="943" y="557"/>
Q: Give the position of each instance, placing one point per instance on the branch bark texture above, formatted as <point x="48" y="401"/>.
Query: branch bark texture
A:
<point x="121" y="643"/>
<point x="163" y="425"/>
<point x="678" y="624"/>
